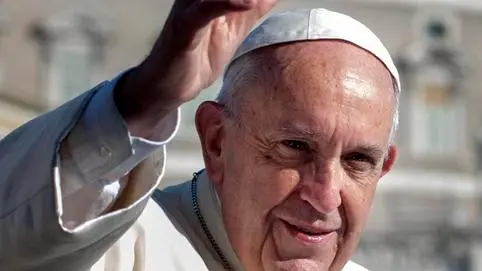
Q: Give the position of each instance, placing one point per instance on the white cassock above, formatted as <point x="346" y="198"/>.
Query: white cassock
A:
<point x="60" y="173"/>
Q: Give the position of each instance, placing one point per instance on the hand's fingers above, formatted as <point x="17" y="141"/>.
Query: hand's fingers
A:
<point x="189" y="17"/>
<point x="239" y="3"/>
<point x="201" y="12"/>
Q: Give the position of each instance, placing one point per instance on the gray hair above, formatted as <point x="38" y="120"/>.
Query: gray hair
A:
<point x="242" y="71"/>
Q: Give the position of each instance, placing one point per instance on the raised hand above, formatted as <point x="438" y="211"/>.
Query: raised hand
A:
<point x="198" y="40"/>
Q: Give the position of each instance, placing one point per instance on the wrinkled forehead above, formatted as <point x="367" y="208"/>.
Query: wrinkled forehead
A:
<point x="322" y="83"/>
<point x="318" y="68"/>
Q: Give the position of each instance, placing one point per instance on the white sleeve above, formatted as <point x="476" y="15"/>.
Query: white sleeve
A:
<point x="97" y="154"/>
<point x="58" y="174"/>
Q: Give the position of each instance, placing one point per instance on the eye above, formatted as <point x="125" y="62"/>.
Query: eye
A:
<point x="295" y="145"/>
<point x="359" y="157"/>
<point x="359" y="162"/>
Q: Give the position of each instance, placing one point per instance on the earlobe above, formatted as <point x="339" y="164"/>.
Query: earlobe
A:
<point x="390" y="159"/>
<point x="209" y="125"/>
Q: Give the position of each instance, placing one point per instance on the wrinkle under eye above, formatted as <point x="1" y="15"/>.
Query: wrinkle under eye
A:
<point x="359" y="163"/>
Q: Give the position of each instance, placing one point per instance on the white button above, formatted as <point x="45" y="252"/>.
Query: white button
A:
<point x="105" y="152"/>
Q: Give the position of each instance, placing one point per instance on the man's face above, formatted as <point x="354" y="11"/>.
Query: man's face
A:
<point x="296" y="173"/>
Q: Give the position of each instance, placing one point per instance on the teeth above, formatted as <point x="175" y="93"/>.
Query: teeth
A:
<point x="306" y="231"/>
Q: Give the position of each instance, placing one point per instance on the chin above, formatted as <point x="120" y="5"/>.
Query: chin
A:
<point x="300" y="265"/>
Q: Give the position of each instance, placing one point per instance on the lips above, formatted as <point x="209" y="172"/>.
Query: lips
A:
<point x="309" y="234"/>
<point x="308" y="231"/>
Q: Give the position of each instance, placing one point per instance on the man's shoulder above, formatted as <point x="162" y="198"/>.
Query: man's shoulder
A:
<point x="170" y="197"/>
<point x="352" y="266"/>
<point x="167" y="207"/>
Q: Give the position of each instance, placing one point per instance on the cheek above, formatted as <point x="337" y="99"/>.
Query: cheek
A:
<point x="269" y="187"/>
<point x="264" y="184"/>
<point x="279" y="184"/>
<point x="357" y="201"/>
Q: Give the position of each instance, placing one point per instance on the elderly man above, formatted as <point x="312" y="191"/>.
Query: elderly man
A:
<point x="293" y="149"/>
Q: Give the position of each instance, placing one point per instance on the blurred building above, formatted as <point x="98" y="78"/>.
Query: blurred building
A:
<point x="52" y="50"/>
<point x="425" y="212"/>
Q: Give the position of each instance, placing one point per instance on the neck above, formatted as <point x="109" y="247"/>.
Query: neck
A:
<point x="210" y="210"/>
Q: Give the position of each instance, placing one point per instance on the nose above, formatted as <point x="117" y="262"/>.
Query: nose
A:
<point x="322" y="189"/>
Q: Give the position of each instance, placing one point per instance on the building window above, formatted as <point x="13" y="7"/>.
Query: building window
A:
<point x="437" y="116"/>
<point x="70" y="71"/>
<point x="433" y="111"/>
<point x="71" y="48"/>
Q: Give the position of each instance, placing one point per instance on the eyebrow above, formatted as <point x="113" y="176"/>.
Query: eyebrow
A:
<point x="302" y="131"/>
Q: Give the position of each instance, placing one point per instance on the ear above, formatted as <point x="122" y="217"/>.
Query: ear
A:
<point x="210" y="128"/>
<point x="390" y="159"/>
